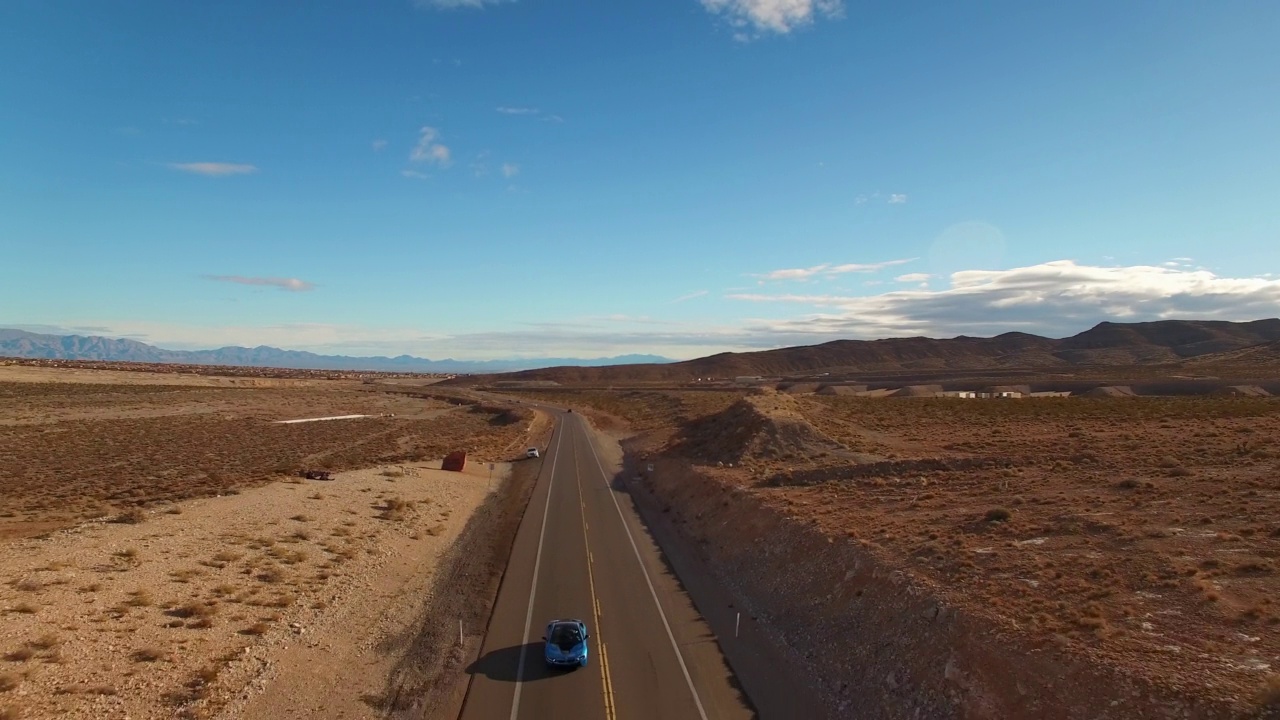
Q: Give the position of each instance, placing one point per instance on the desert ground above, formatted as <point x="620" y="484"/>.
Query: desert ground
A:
<point x="1141" y="535"/>
<point x="163" y="559"/>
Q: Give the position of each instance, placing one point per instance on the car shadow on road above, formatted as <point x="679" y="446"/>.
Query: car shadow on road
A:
<point x="502" y="664"/>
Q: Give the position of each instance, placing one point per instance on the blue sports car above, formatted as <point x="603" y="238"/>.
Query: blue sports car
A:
<point x="566" y="643"/>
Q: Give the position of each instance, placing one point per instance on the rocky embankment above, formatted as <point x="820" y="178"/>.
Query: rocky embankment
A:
<point x="877" y="640"/>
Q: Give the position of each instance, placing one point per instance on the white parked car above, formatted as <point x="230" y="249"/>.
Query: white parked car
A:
<point x="531" y="453"/>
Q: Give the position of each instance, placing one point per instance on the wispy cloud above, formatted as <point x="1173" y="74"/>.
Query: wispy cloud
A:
<point x="753" y="18"/>
<point x="215" y="169"/>
<point x="414" y="174"/>
<point x="289" y="284"/>
<point x="427" y="150"/>
<point x="913" y="278"/>
<point x="829" y="270"/>
<point x="453" y="4"/>
<point x="879" y="197"/>
<point x="510" y="170"/>
<point x="691" y="296"/>
<point x="379" y="145"/>
<point x="1054" y="298"/>
<point x="529" y="112"/>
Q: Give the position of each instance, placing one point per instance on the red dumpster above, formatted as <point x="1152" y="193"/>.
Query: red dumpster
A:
<point x="454" y="461"/>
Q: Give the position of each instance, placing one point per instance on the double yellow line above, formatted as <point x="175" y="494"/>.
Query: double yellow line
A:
<point x="605" y="681"/>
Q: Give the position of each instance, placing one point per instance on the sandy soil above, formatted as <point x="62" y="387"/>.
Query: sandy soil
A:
<point x="161" y="558"/>
<point x="253" y="605"/>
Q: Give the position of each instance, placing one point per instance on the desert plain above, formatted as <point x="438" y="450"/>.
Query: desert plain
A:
<point x="164" y="558"/>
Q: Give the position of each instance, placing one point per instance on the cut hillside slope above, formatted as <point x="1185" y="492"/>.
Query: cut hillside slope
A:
<point x="1059" y="558"/>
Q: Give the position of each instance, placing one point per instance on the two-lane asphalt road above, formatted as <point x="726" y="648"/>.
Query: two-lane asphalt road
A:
<point x="581" y="552"/>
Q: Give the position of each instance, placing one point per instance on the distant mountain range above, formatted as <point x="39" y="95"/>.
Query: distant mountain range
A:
<point x="22" y="344"/>
<point x="1192" y="344"/>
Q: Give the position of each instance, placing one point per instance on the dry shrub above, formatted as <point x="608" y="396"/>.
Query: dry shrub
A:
<point x="9" y="681"/>
<point x="147" y="654"/>
<point x="997" y="515"/>
<point x="24" y="608"/>
<point x="10" y="713"/>
<point x="132" y="516"/>
<point x="396" y="508"/>
<point x="193" y="610"/>
<point x="1268" y="697"/>
<point x="48" y="641"/>
<point x="139" y="598"/>
<point x="258" y="628"/>
<point x="272" y="575"/>
<point x="81" y="689"/>
<point x="185" y="575"/>
<point x="29" y="585"/>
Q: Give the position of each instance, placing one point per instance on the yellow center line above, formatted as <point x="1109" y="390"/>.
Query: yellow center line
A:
<point x="606" y="682"/>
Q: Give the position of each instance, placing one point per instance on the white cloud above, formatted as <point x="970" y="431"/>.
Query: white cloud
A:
<point x="770" y="16"/>
<point x="427" y="150"/>
<point x="214" y="169"/>
<point x="379" y="145"/>
<point x="691" y="296"/>
<point x="414" y="174"/>
<point x="898" y="199"/>
<point x="510" y="170"/>
<point x="829" y="270"/>
<point x="290" y="284"/>
<point x="517" y="110"/>
<point x="1054" y="298"/>
<point x="453" y="4"/>
<point x="913" y="278"/>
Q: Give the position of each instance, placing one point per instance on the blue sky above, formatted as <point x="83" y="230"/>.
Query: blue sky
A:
<point x="541" y="178"/>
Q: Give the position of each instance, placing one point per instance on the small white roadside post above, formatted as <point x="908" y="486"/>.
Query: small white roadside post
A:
<point x="460" y="631"/>
<point x="490" y="476"/>
<point x="737" y="622"/>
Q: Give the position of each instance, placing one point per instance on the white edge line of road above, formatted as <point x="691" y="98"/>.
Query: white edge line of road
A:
<point x="533" y="588"/>
<point x="653" y="593"/>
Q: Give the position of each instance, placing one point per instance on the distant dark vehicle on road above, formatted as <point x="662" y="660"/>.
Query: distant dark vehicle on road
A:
<point x="316" y="474"/>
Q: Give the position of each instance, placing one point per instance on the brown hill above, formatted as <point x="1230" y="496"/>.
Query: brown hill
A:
<point x="755" y="428"/>
<point x="1261" y="356"/>
<point x="1106" y="344"/>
